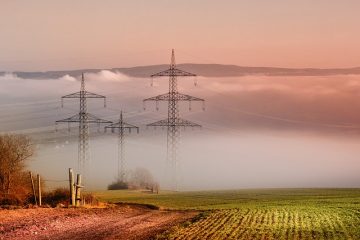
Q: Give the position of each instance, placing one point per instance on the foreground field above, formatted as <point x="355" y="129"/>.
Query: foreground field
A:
<point x="259" y="214"/>
<point x="118" y="222"/>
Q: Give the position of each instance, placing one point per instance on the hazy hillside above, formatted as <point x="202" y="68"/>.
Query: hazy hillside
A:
<point x="207" y="70"/>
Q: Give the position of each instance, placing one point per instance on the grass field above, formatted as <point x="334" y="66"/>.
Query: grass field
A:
<point x="258" y="214"/>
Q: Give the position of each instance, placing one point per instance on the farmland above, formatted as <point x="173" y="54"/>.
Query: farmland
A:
<point x="258" y="214"/>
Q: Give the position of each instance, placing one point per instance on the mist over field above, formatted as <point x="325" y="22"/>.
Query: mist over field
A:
<point x="258" y="131"/>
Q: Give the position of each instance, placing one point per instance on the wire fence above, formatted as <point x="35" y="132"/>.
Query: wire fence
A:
<point x="55" y="184"/>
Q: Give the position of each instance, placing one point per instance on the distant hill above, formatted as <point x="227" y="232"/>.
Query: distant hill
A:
<point x="206" y="70"/>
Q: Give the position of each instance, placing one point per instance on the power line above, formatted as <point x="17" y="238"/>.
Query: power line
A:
<point x="281" y="119"/>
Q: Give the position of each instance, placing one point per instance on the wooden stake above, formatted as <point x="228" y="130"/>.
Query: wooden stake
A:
<point x="39" y="189"/>
<point x="78" y="190"/>
<point x="33" y="187"/>
<point x="72" y="187"/>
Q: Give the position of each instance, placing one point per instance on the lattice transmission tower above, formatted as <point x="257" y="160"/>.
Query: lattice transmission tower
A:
<point x="173" y="123"/>
<point x="83" y="118"/>
<point x="121" y="126"/>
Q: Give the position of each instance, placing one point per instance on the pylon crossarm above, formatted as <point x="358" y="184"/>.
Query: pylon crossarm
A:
<point x="93" y="95"/>
<point x="93" y="119"/>
<point x="185" y="97"/>
<point x="89" y="119"/>
<point x="162" y="97"/>
<point x="75" y="118"/>
<point x="86" y="95"/>
<point x="173" y="72"/>
<point x="177" y="97"/>
<point x="178" y="122"/>
<point x="72" y="95"/>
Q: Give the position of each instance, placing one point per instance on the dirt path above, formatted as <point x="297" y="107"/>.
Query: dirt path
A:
<point x="121" y="222"/>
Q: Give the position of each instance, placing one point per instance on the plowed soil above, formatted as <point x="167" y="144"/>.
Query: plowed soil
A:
<point x="119" y="222"/>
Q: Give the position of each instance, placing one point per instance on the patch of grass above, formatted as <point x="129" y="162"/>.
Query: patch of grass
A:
<point x="258" y="214"/>
<point x="230" y="199"/>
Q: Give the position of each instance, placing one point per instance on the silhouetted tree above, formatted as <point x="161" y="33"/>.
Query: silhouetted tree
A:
<point x="15" y="151"/>
<point x="142" y="178"/>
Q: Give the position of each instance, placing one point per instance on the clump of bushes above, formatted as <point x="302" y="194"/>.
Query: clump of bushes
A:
<point x="118" y="185"/>
<point x="57" y="196"/>
<point x="140" y="178"/>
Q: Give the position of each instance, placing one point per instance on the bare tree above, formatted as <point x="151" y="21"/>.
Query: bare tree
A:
<point x="142" y="178"/>
<point x="15" y="151"/>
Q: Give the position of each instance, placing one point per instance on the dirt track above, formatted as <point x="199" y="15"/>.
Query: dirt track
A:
<point x="121" y="222"/>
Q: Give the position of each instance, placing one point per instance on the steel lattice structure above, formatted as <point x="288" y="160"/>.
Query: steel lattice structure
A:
<point x="121" y="126"/>
<point x="83" y="118"/>
<point x="173" y="122"/>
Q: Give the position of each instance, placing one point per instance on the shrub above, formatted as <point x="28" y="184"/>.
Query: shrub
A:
<point x="118" y="185"/>
<point x="59" y="195"/>
<point x="90" y="199"/>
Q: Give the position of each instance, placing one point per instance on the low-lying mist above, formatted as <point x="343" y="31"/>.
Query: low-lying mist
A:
<point x="258" y="131"/>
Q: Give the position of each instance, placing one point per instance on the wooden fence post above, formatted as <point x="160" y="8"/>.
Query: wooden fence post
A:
<point x="78" y="190"/>
<point x="39" y="189"/>
<point x="33" y="187"/>
<point x="72" y="187"/>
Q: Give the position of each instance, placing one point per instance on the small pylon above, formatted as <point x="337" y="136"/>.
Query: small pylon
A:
<point x="121" y="126"/>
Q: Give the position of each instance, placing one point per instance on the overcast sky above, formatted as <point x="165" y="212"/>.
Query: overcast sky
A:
<point x="67" y="34"/>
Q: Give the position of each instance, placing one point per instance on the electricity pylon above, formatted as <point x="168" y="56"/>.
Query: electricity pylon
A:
<point x="173" y="122"/>
<point x="83" y="118"/>
<point x="121" y="126"/>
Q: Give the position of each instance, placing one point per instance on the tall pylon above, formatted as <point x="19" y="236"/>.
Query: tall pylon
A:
<point x="173" y="122"/>
<point x="121" y="126"/>
<point x="83" y="118"/>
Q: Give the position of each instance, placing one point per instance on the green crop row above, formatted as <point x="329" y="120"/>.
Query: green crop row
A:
<point x="259" y="214"/>
<point x="280" y="223"/>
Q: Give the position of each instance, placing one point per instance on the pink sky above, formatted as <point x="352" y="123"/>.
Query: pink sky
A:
<point x="52" y="35"/>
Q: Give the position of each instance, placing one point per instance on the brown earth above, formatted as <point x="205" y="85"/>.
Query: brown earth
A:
<point x="118" y="222"/>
